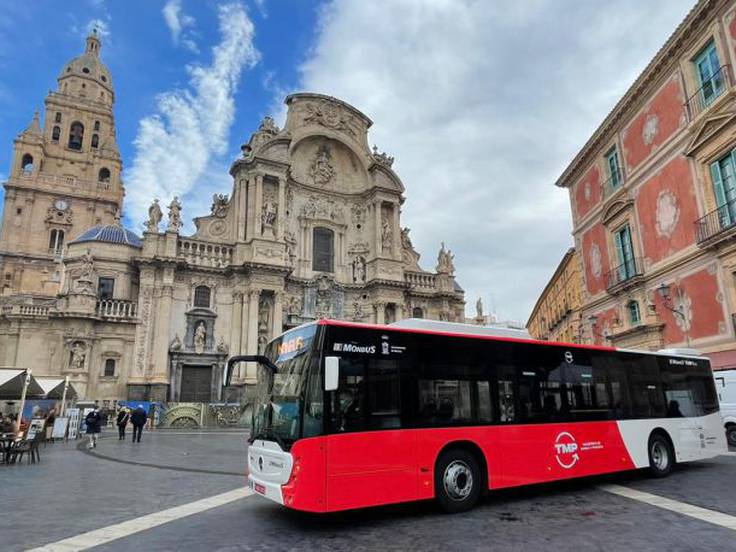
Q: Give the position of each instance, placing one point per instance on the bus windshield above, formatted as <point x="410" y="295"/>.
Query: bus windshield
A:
<point x="280" y="393"/>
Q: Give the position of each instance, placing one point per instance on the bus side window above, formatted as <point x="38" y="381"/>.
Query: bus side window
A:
<point x="349" y="401"/>
<point x="506" y="401"/>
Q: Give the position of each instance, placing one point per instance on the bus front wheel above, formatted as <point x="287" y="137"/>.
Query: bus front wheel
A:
<point x="457" y="480"/>
<point x="661" y="455"/>
<point x="731" y="434"/>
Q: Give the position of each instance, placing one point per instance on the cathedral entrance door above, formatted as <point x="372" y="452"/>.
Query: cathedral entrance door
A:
<point x="196" y="384"/>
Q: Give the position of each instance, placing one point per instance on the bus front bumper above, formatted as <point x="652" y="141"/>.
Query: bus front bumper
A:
<point x="267" y="489"/>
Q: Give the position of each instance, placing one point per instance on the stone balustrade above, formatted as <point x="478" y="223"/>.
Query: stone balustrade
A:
<point x="114" y="308"/>
<point x="423" y="280"/>
<point x="26" y="310"/>
<point x="204" y="254"/>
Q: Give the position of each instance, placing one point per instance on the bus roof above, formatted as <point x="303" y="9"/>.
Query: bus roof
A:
<point x="409" y="328"/>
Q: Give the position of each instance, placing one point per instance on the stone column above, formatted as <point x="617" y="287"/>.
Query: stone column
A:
<point x="236" y="316"/>
<point x="380" y="313"/>
<point x="255" y="296"/>
<point x="250" y="217"/>
<point x="281" y="218"/>
<point x="396" y="232"/>
<point x="278" y="324"/>
<point x="242" y="218"/>
<point x="243" y="340"/>
<point x="160" y="364"/>
<point x="378" y="241"/>
<point x="258" y="206"/>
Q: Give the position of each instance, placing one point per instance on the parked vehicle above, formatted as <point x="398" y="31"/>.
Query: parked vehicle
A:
<point x="353" y="415"/>
<point x="726" y="389"/>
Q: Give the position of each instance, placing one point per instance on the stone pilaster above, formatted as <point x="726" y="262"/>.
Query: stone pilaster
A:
<point x="252" y="349"/>
<point x="278" y="324"/>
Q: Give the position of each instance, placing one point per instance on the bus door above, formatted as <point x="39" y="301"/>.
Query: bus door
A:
<point x="370" y="460"/>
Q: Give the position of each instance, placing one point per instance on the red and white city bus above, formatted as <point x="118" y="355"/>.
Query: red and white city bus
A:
<point x="352" y="415"/>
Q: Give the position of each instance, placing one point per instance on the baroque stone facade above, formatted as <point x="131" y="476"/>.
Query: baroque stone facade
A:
<point x="653" y="197"/>
<point x="310" y="229"/>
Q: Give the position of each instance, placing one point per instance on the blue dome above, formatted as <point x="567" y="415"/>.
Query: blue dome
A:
<point x="109" y="233"/>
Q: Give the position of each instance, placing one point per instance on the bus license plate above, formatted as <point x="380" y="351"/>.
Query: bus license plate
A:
<point x="259" y="488"/>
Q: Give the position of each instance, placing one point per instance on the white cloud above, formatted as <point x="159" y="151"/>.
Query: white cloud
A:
<point x="180" y="25"/>
<point x="178" y="146"/>
<point x="483" y="104"/>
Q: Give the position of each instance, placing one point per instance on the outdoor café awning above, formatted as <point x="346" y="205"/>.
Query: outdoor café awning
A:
<point x="53" y="388"/>
<point x="11" y="384"/>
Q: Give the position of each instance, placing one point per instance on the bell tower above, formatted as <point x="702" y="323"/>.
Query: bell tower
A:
<point x="65" y="176"/>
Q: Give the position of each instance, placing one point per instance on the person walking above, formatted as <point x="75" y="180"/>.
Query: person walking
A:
<point x="94" y="426"/>
<point x="122" y="421"/>
<point x="138" y="419"/>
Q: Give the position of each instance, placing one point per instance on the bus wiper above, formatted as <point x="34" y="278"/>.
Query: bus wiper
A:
<point x="267" y="435"/>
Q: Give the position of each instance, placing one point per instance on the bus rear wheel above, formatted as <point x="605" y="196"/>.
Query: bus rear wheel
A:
<point x="457" y="480"/>
<point x="661" y="455"/>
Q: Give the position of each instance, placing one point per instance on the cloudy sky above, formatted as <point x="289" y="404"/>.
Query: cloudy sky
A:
<point x="482" y="103"/>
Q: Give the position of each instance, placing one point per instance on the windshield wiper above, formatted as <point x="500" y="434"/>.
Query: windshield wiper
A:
<point x="268" y="434"/>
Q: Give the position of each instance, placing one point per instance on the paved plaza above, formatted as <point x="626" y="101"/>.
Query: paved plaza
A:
<point x="161" y="483"/>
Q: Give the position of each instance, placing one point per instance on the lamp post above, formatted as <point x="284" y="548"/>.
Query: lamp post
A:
<point x="666" y="295"/>
<point x="26" y="383"/>
<point x="63" y="396"/>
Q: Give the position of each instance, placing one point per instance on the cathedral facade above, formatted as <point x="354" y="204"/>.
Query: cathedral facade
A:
<point x="310" y="229"/>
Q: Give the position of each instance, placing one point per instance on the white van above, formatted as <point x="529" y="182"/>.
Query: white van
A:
<point x="726" y="388"/>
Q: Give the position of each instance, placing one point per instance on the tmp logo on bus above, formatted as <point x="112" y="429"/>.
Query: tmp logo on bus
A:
<point x="566" y="450"/>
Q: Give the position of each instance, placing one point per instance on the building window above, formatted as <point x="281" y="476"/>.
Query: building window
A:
<point x="26" y="164"/>
<point x="614" y="170"/>
<point x="57" y="117"/>
<point x="202" y="297"/>
<point x="625" y="253"/>
<point x="109" y="367"/>
<point x="97" y="125"/>
<point x="76" y="135"/>
<point x="104" y="175"/>
<point x="634" y="314"/>
<point x="95" y="140"/>
<point x="55" y="133"/>
<point x="323" y="250"/>
<point x="708" y="71"/>
<point x="417" y="312"/>
<point x="105" y="288"/>
<point x="56" y="241"/>
<point x="723" y="174"/>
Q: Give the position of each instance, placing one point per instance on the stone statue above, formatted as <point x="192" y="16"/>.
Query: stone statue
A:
<point x="78" y="356"/>
<point x="359" y="269"/>
<point x="88" y="267"/>
<point x="222" y="346"/>
<point x="479" y="307"/>
<point x="200" y="338"/>
<point x="176" y="343"/>
<point x="386" y="235"/>
<point x="268" y="125"/>
<point x="268" y="215"/>
<point x="444" y="261"/>
<point x="219" y="205"/>
<point x="322" y="171"/>
<point x="175" y="215"/>
<point x="154" y="216"/>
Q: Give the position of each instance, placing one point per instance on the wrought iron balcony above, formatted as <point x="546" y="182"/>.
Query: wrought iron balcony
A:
<point x="625" y="275"/>
<point x="613" y="184"/>
<point x="709" y="92"/>
<point x="716" y="222"/>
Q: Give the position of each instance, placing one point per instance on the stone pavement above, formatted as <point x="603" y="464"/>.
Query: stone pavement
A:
<point x="73" y="491"/>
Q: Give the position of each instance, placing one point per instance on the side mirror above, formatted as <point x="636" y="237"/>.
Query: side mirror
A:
<point x="332" y="373"/>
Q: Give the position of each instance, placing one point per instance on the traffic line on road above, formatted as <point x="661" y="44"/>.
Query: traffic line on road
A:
<point x="143" y="523"/>
<point x="703" y="514"/>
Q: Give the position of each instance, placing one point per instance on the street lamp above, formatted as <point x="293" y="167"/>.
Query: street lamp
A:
<point x="666" y="295"/>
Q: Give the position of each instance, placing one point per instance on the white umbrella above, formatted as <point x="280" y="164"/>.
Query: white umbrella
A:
<point x="11" y="384"/>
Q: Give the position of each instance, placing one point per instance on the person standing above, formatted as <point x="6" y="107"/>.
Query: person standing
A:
<point x="94" y="426"/>
<point x="138" y="419"/>
<point x="122" y="420"/>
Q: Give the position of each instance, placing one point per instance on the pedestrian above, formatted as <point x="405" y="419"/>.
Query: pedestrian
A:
<point x="94" y="426"/>
<point x="138" y="419"/>
<point x="123" y="419"/>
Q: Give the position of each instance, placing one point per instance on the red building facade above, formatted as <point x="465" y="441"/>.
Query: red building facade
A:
<point x="653" y="197"/>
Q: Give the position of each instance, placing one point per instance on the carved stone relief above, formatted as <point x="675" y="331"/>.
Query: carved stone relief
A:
<point x="330" y="115"/>
<point x="220" y="204"/>
<point x="324" y="208"/>
<point x="322" y="171"/>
